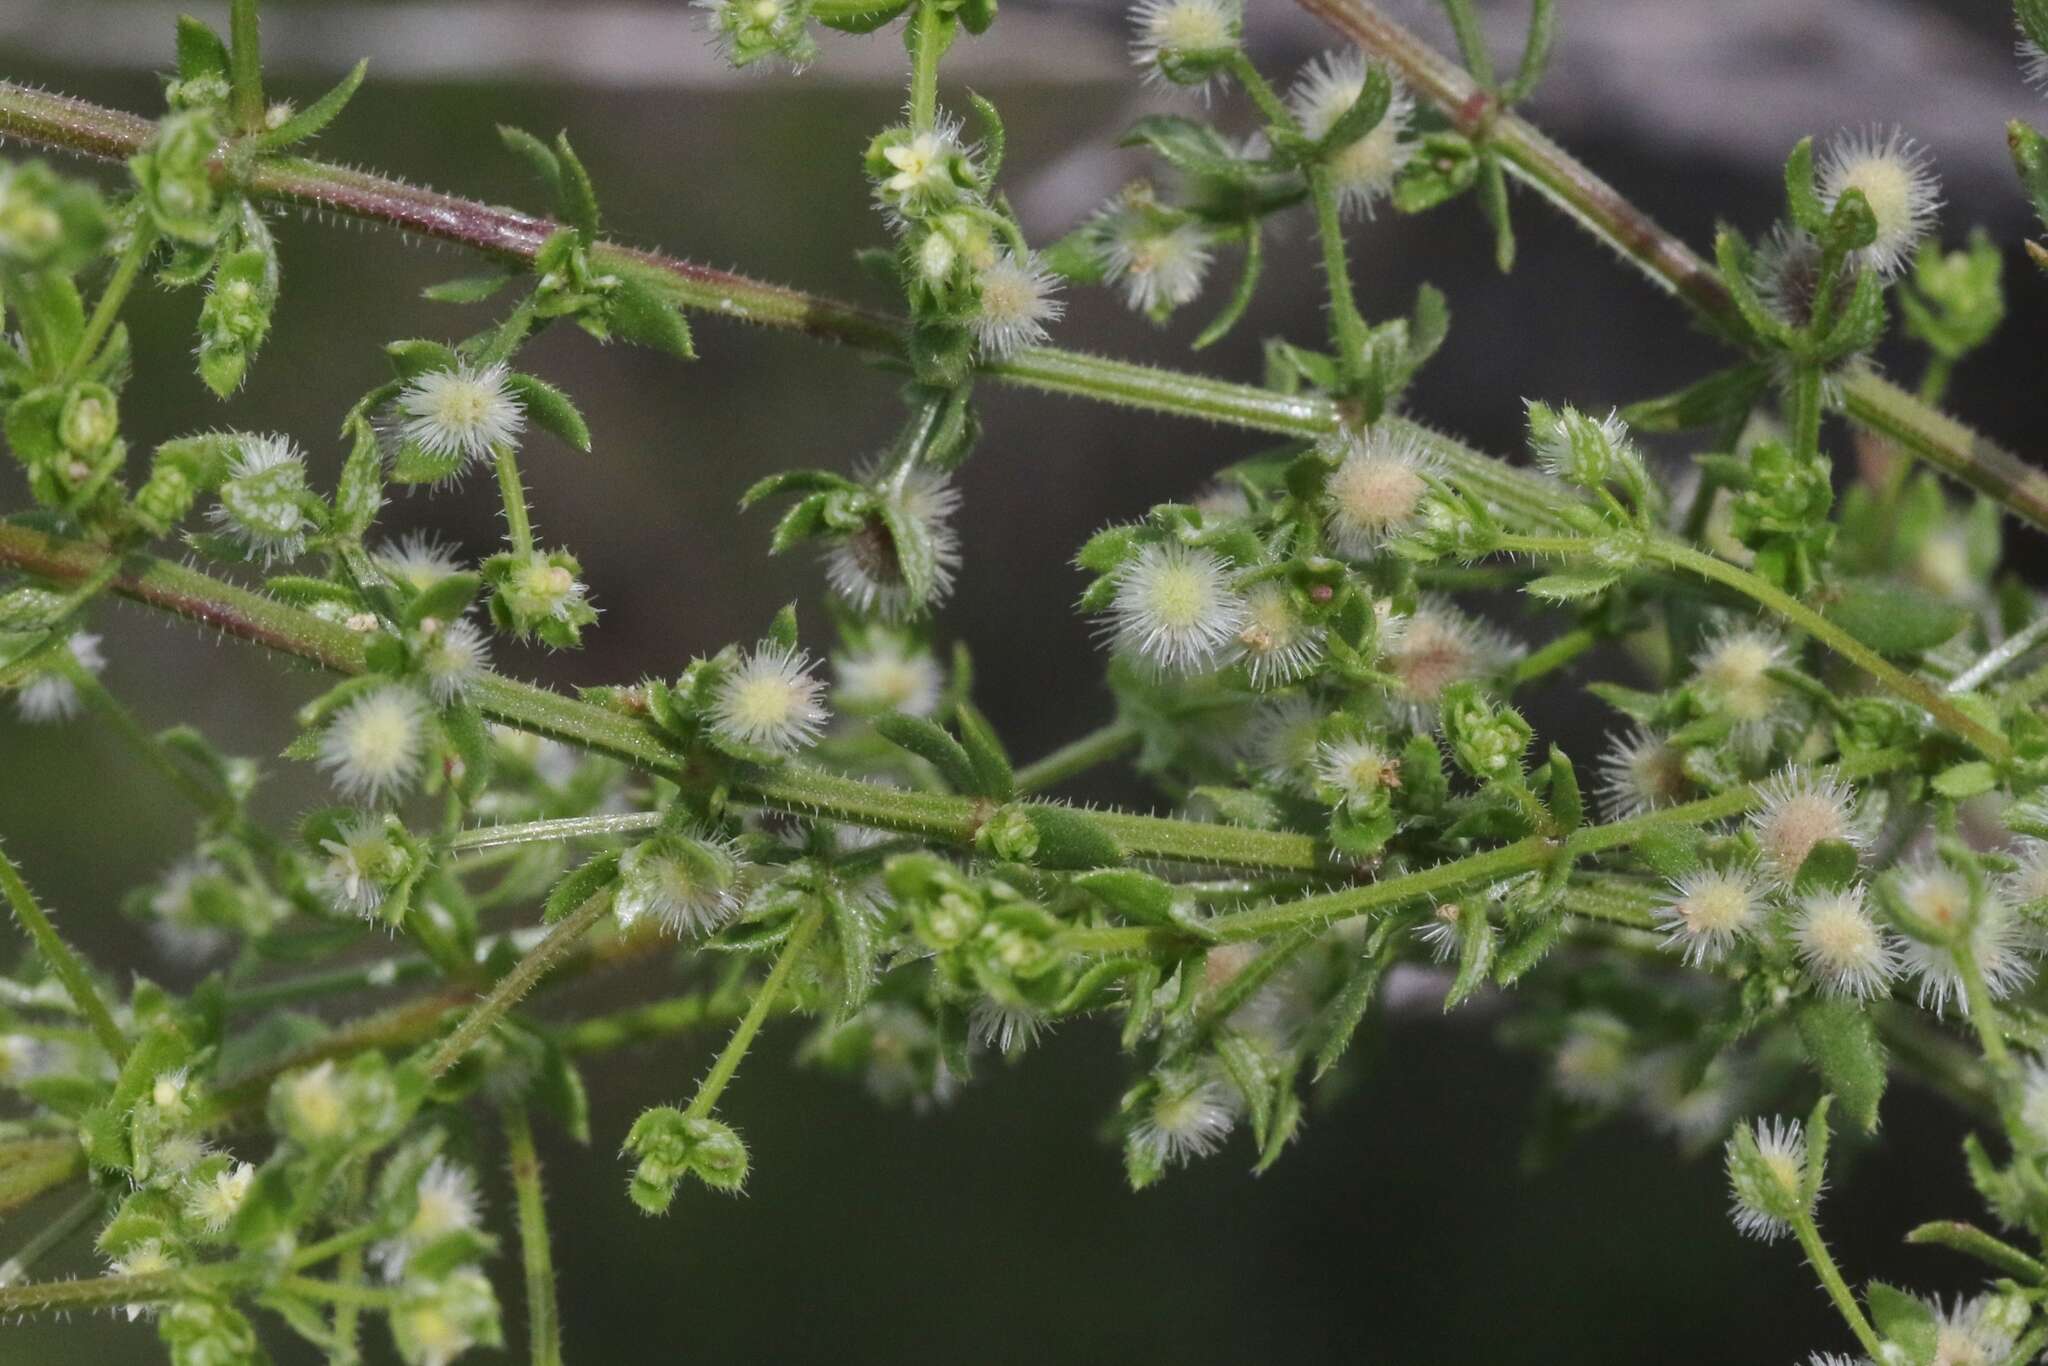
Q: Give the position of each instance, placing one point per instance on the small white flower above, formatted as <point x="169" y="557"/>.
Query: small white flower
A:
<point x="213" y="1204"/>
<point x="316" y="1103"/>
<point x="438" y="1321"/>
<point x="1766" y="1177"/>
<point x="922" y="167"/>
<point x="689" y="884"/>
<point x="1939" y="897"/>
<point x="1709" y="910"/>
<point x="460" y="415"/>
<point x="146" y="1258"/>
<point x="540" y="588"/>
<point x="1695" y="1111"/>
<point x="1280" y="741"/>
<point x="1189" y="1115"/>
<point x="362" y="866"/>
<point x="1161" y="264"/>
<point x="1584" y="450"/>
<point x="418" y="561"/>
<point x="1592" y="1066"/>
<point x="1733" y="670"/>
<point x="2026" y="886"/>
<point x="742" y="30"/>
<point x="1843" y="947"/>
<point x="770" y="700"/>
<point x="1800" y="810"/>
<point x="48" y="694"/>
<point x="1443" y="932"/>
<point x="1364" y="171"/>
<point x="887" y="677"/>
<point x="446" y="1203"/>
<point x="1376" y="489"/>
<point x="1641" y="771"/>
<point x="1356" y="770"/>
<point x="263" y="499"/>
<point x="2033" y="63"/>
<point x="1897" y="180"/>
<point x="453" y="657"/>
<point x="1175" y="608"/>
<point x="1970" y="1333"/>
<point x="866" y="568"/>
<point x="1171" y="32"/>
<point x="1433" y="648"/>
<point x="1277" y="646"/>
<point x="1007" y="1028"/>
<point x="1016" y="303"/>
<point x="374" y="746"/>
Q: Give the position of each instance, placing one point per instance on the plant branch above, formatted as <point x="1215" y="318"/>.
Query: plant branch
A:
<point x="735" y="1050"/>
<point x="1872" y="402"/>
<point x="61" y="123"/>
<point x="1098" y="746"/>
<point x="544" y="1327"/>
<point x="70" y="971"/>
<point x="513" y="986"/>
<point x="790" y="787"/>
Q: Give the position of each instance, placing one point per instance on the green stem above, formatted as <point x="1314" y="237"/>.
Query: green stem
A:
<point x="518" y="521"/>
<point x="57" y="954"/>
<point x="1823" y="1264"/>
<point x="141" y="240"/>
<point x="1983" y="1012"/>
<point x="652" y="1020"/>
<point x="1794" y="613"/>
<point x="1804" y="407"/>
<point x="1934" y="380"/>
<point x="1525" y="855"/>
<point x="342" y="1293"/>
<point x="750" y="1024"/>
<point x="547" y="832"/>
<point x="111" y="710"/>
<point x="1555" y="654"/>
<point x="928" y="42"/>
<point x="544" y="1329"/>
<point x="101" y="1292"/>
<point x="514" y="985"/>
<point x="245" y="67"/>
<point x="790" y="787"/>
<point x="1869" y="400"/>
<point x="1348" y="332"/>
<point x="1098" y="746"/>
<point x="2004" y="653"/>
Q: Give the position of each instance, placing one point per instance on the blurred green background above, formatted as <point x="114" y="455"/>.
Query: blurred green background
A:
<point x="1403" y="1227"/>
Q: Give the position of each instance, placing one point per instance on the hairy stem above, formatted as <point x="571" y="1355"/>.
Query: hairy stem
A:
<point x="1098" y="746"/>
<point x="70" y="970"/>
<point x="735" y="1050"/>
<point x="72" y="1218"/>
<point x="548" y="832"/>
<point x="518" y="520"/>
<point x="1823" y="1264"/>
<point x="544" y="1327"/>
<point x="1794" y="613"/>
<point x="141" y="240"/>
<point x="513" y="986"/>
<point x="1870" y="401"/>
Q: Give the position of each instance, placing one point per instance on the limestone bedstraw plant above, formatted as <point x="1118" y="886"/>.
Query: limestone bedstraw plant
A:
<point x="1771" y="902"/>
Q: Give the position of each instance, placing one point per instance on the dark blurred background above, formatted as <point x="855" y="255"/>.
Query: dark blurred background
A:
<point x="1403" y="1226"/>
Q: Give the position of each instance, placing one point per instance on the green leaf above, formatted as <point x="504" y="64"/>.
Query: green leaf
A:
<point x="586" y="881"/>
<point x="1903" y="1319"/>
<point x="579" y="199"/>
<point x="1895" y="618"/>
<point x="929" y="742"/>
<point x="1960" y="781"/>
<point x="1721" y="399"/>
<point x="1362" y="115"/>
<point x="316" y="115"/>
<point x="415" y="357"/>
<point x="641" y="316"/>
<point x="544" y="163"/>
<point x="1190" y="146"/>
<point x="1136" y="896"/>
<point x="1972" y="1241"/>
<point x="1842" y="1045"/>
<point x="863" y="21"/>
<point x="1805" y="206"/>
<point x="550" y="408"/>
<point x="992" y="772"/>
<point x="467" y="289"/>
<point x="1571" y="585"/>
<point x="445" y="599"/>
<point x="201" y="53"/>
<point x="1070" y="838"/>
